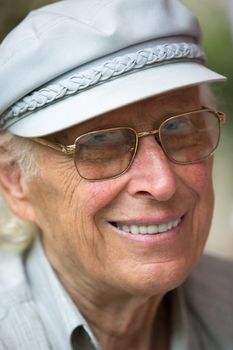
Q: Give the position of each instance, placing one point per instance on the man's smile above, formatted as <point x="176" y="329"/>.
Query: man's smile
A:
<point x="147" y="229"/>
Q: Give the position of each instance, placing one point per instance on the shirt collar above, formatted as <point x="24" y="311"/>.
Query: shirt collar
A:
<point x="60" y="316"/>
<point x="179" y="321"/>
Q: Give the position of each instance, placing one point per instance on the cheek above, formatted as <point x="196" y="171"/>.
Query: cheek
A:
<point x="199" y="181"/>
<point x="197" y="177"/>
<point x="68" y="205"/>
<point x="98" y="195"/>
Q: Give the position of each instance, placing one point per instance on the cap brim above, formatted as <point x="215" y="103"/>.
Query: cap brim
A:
<point x="111" y="95"/>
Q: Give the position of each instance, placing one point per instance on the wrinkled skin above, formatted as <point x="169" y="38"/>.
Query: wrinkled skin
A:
<point x="106" y="272"/>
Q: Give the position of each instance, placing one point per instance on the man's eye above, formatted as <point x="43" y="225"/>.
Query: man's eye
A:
<point x="97" y="139"/>
<point x="178" y="125"/>
<point x="172" y="125"/>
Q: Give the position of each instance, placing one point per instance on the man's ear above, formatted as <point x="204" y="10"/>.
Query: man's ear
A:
<point x="15" y="190"/>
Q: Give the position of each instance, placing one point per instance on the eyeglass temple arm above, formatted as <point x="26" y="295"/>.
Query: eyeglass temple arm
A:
<point x="70" y="149"/>
<point x="222" y="117"/>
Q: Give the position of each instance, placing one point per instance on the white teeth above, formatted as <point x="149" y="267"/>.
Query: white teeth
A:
<point x="143" y="230"/>
<point x="148" y="229"/>
<point x="125" y="228"/>
<point x="152" y="229"/>
<point x="134" y="229"/>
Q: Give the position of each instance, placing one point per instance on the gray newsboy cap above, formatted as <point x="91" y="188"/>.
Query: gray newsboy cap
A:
<point x="76" y="59"/>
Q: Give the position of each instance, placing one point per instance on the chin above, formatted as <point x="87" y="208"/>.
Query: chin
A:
<point x="157" y="278"/>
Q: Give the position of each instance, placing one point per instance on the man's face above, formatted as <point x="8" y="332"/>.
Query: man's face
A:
<point x="85" y="224"/>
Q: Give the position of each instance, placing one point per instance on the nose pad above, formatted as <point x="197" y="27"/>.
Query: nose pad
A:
<point x="151" y="173"/>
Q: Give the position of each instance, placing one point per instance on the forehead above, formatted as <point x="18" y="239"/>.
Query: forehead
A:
<point x="139" y="113"/>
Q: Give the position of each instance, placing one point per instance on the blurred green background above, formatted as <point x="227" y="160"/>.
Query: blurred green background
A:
<point x="217" y="24"/>
<point x="214" y="16"/>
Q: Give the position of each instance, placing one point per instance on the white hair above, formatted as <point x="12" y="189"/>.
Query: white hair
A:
<point x="16" y="234"/>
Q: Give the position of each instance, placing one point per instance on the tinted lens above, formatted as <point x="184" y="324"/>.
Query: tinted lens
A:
<point x="104" y="154"/>
<point x="190" y="138"/>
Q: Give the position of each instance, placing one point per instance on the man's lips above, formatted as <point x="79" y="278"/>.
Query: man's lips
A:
<point x="147" y="228"/>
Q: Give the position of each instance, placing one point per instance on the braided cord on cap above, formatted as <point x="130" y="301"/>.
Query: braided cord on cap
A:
<point x="91" y="77"/>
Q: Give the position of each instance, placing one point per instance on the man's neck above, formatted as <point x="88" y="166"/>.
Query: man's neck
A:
<point x="136" y="323"/>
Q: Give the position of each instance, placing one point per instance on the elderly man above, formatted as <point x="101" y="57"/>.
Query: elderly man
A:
<point x="107" y="138"/>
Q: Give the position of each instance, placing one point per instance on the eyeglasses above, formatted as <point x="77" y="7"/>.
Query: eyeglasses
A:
<point x="105" y="154"/>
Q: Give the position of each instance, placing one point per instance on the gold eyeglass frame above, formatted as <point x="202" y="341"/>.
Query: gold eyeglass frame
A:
<point x="70" y="149"/>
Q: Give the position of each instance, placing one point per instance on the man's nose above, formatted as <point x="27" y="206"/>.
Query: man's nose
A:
<point x="151" y="173"/>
